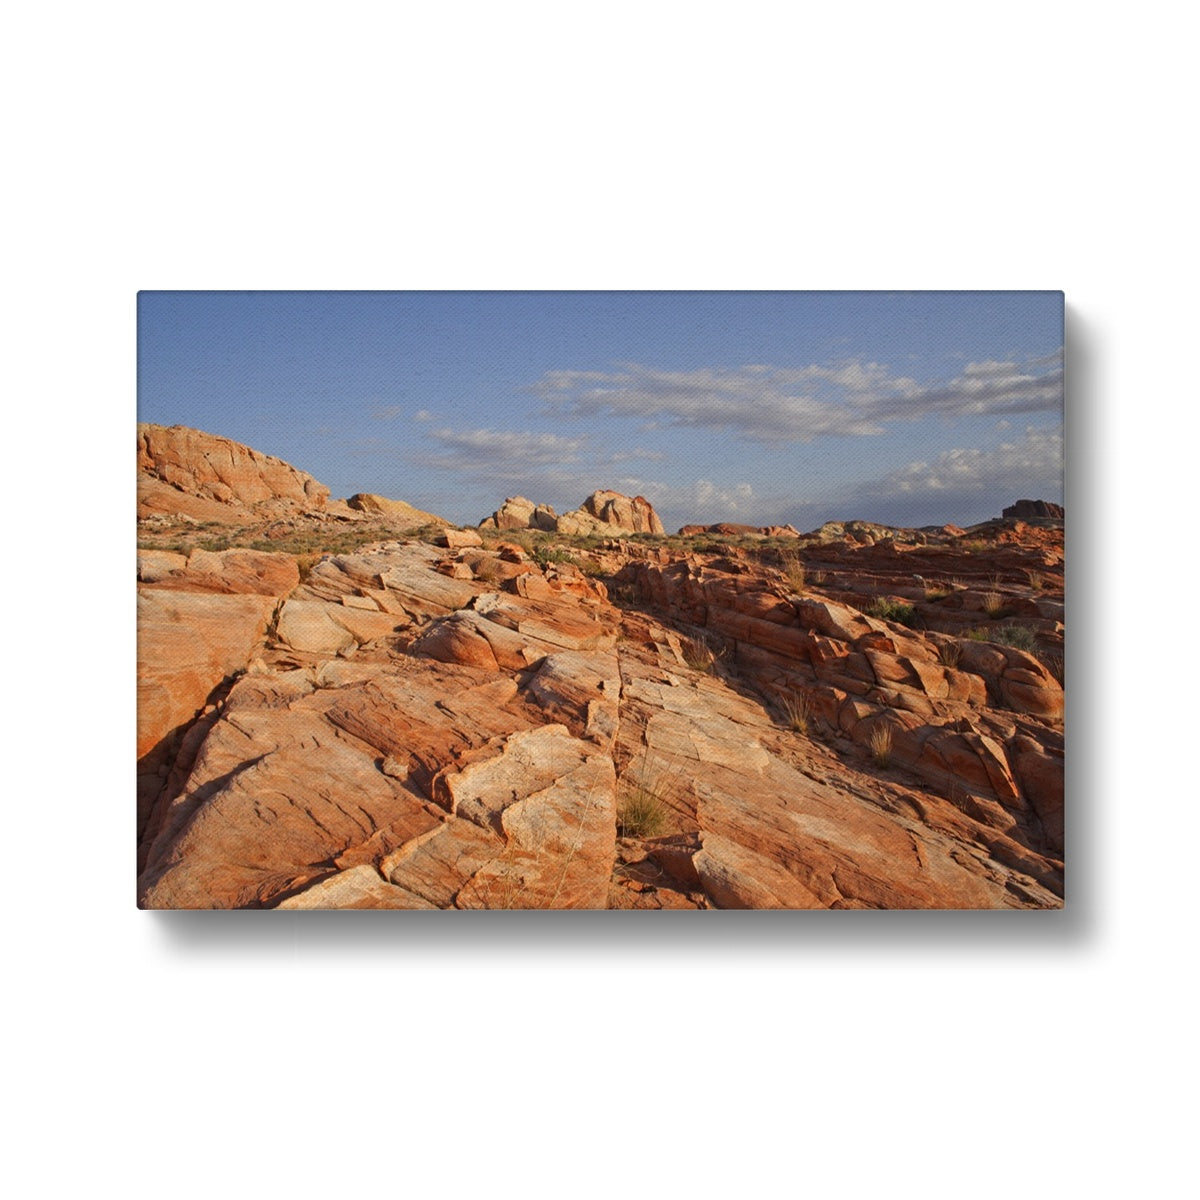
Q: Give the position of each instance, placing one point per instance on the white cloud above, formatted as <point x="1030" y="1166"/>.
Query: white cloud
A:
<point x="797" y="404"/>
<point x="487" y="448"/>
<point x="1031" y="467"/>
<point x="497" y="456"/>
<point x="698" y="502"/>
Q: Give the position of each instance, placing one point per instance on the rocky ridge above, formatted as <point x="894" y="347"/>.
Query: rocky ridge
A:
<point x="538" y="722"/>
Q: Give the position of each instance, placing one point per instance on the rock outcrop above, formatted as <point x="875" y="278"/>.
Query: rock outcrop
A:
<point x="206" y="477"/>
<point x="413" y="727"/>
<point x="1033" y="510"/>
<point x="603" y="512"/>
<point x="855" y="717"/>
<point x="398" y="513"/>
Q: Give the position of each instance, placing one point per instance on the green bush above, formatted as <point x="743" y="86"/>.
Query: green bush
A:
<point x="1020" y="637"/>
<point x="892" y="610"/>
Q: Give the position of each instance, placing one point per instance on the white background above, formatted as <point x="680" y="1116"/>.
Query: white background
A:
<point x="920" y="145"/>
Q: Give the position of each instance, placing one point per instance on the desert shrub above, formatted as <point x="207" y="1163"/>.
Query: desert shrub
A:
<point x="305" y="563"/>
<point x="1020" y="637"/>
<point x="427" y="533"/>
<point x="489" y="570"/>
<point x="1055" y="664"/>
<point x="880" y="743"/>
<point x="1037" y="580"/>
<point x="979" y="634"/>
<point x="949" y="653"/>
<point x="545" y="555"/>
<point x="643" y="813"/>
<point x="892" y="610"/>
<point x="793" y="569"/>
<point x="699" y="654"/>
<point x="992" y="602"/>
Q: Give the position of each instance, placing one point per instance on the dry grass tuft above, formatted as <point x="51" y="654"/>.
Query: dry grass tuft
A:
<point x="880" y="743"/>
<point x="797" y="711"/>
<point x="306" y="562"/>
<point x="489" y="570"/>
<point x="642" y="814"/>
<point x="993" y="602"/>
<point x="793" y="569"/>
<point x="699" y="655"/>
<point x="949" y="653"/>
<point x="1056" y="665"/>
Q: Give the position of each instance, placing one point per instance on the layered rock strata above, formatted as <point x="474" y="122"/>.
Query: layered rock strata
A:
<point x="421" y="727"/>
<point x="206" y="477"/>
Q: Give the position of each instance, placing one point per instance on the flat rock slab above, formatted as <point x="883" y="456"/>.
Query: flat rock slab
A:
<point x="188" y="643"/>
<point x="359" y="887"/>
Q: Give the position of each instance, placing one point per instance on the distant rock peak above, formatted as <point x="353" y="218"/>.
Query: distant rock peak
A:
<point x="602" y="512"/>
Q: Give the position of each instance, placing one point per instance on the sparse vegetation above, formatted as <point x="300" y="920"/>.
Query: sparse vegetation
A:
<point x="644" y="810"/>
<point x="641" y="814"/>
<point x="992" y="603"/>
<point x="489" y="570"/>
<point x="1037" y="580"/>
<point x="699" y="654"/>
<point x="1056" y="665"/>
<point x="793" y="569"/>
<point x="797" y="711"/>
<point x="305" y="563"/>
<point x="936" y="592"/>
<point x="880" y="743"/>
<point x="949" y="653"/>
<point x="545" y="555"/>
<point x="887" y="609"/>
<point x="1020" y="637"/>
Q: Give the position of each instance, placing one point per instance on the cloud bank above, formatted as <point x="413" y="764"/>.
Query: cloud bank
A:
<point x="763" y="403"/>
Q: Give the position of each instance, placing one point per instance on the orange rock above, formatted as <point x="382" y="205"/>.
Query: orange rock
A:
<point x="208" y="467"/>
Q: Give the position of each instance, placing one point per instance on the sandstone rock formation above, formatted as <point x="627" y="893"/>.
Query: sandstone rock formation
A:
<point x="603" y="512"/>
<point x="201" y="475"/>
<point x="1033" y="510"/>
<point x="399" y="513"/>
<point x="415" y="727"/>
<point x="856" y="717"/>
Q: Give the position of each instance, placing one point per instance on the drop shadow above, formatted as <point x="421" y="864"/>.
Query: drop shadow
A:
<point x="905" y="936"/>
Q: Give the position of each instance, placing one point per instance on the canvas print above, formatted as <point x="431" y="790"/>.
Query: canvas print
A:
<point x="600" y="600"/>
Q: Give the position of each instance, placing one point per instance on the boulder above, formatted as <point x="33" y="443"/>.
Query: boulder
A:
<point x="396" y="512"/>
<point x="633" y="514"/>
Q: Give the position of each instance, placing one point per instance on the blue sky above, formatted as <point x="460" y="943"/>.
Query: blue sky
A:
<point x="906" y="408"/>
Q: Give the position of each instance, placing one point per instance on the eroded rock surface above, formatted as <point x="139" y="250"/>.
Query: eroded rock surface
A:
<point x="182" y="470"/>
<point x="434" y="727"/>
<point x="603" y="512"/>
